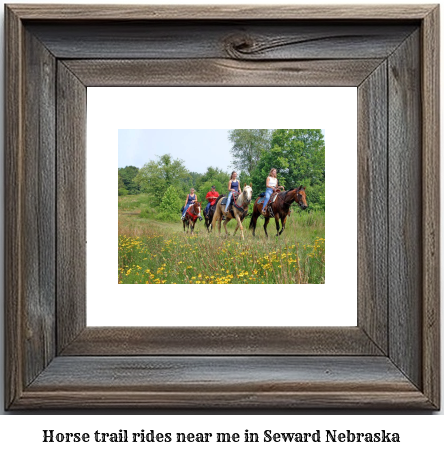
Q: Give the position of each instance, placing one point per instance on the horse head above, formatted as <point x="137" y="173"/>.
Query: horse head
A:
<point x="299" y="197"/>
<point x="197" y="207"/>
<point x="247" y="194"/>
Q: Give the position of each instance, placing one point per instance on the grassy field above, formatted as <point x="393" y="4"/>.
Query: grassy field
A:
<point x="152" y="251"/>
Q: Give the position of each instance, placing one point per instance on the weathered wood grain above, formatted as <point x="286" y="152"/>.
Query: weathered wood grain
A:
<point x="127" y="341"/>
<point x="221" y="72"/>
<point x="208" y="401"/>
<point x="407" y="377"/>
<point x="13" y="210"/>
<point x="38" y="221"/>
<point x="405" y="209"/>
<point x="30" y="224"/>
<point x="234" y="382"/>
<point x="210" y="373"/>
<point x="71" y="206"/>
<point x="233" y="40"/>
<point x="430" y="93"/>
<point x="373" y="207"/>
<point x="220" y="12"/>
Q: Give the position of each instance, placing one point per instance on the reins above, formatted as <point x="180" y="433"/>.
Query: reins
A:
<point x="193" y="215"/>
<point x="292" y="200"/>
<point x="244" y="204"/>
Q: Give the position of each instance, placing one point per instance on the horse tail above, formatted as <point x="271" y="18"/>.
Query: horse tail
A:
<point x="253" y="219"/>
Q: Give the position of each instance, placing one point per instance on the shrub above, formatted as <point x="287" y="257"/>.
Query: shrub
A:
<point x="171" y="202"/>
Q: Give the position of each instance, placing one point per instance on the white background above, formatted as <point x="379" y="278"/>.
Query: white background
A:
<point x="329" y="304"/>
<point x="23" y="434"/>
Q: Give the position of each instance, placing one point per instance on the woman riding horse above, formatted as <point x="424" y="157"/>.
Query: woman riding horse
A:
<point x="191" y="216"/>
<point x="191" y="199"/>
<point x="281" y="208"/>
<point x="233" y="188"/>
<point x="239" y="211"/>
<point x="272" y="186"/>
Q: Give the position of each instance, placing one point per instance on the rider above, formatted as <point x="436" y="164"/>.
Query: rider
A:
<point x="272" y="186"/>
<point x="191" y="199"/>
<point x="233" y="187"/>
<point x="211" y="197"/>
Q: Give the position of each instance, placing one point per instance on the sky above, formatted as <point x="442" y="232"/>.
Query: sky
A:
<point x="198" y="149"/>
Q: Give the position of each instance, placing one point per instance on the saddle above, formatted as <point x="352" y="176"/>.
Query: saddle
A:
<point x="210" y="212"/>
<point x="272" y="198"/>
<point x="233" y="199"/>
<point x="270" y="201"/>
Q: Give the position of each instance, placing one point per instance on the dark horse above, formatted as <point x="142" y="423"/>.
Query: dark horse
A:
<point x="280" y="208"/>
<point x="210" y="214"/>
<point x="191" y="216"/>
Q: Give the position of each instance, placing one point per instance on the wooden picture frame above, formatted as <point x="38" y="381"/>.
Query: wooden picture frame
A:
<point x="390" y="360"/>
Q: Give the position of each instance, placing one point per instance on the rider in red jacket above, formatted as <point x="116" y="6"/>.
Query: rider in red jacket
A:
<point x="211" y="197"/>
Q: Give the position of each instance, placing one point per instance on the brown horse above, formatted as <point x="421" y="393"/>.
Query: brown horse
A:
<point x="239" y="212"/>
<point x="191" y="216"/>
<point x="280" y="208"/>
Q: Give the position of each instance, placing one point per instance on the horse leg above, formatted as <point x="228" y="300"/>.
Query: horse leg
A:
<point x="225" y="224"/>
<point x="276" y="218"/>
<point x="254" y="216"/>
<point x="217" y="218"/>
<point x="239" y="225"/>
<point x="265" y="225"/>
<point x="253" y="223"/>
<point x="284" y="220"/>
<point x="214" y="219"/>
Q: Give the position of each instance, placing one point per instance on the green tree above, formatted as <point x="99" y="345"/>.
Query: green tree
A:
<point x="171" y="203"/>
<point x="299" y="158"/>
<point x="156" y="176"/>
<point x="247" y="148"/>
<point x="212" y="176"/>
<point x="127" y="175"/>
<point x="122" y="189"/>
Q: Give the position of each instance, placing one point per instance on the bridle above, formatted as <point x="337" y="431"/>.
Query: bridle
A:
<point x="297" y="199"/>
<point x="191" y="209"/>
<point x="247" y="200"/>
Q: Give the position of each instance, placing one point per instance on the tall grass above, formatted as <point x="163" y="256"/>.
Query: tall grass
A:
<point x="152" y="251"/>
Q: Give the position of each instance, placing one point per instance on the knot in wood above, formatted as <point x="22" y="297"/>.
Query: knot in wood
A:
<point x="238" y="46"/>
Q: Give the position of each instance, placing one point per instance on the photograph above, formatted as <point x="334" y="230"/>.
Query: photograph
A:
<point x="214" y="206"/>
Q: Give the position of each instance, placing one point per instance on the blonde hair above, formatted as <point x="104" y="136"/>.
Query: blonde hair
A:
<point x="271" y="170"/>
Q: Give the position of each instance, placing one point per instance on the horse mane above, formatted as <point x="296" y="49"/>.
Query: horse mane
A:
<point x="282" y="194"/>
<point x="241" y="195"/>
<point x="196" y="203"/>
<point x="220" y="197"/>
